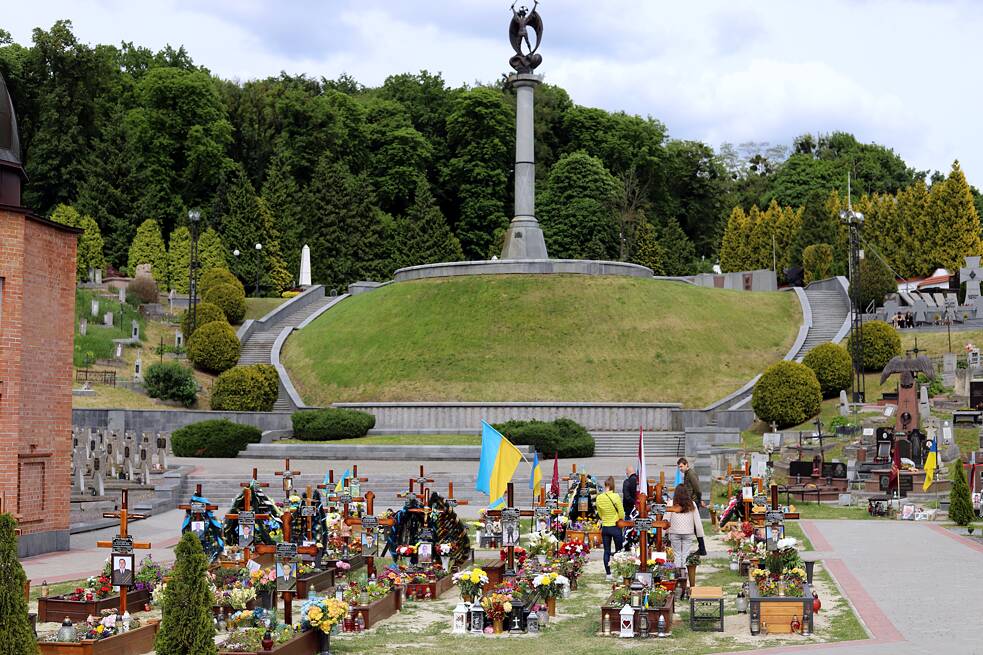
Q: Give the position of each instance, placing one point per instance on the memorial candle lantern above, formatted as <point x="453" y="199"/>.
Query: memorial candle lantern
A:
<point x="67" y="631"/>
<point x="636" y="588"/>
<point x="460" y="619"/>
<point x="477" y="619"/>
<point x="532" y="623"/>
<point x="627" y="622"/>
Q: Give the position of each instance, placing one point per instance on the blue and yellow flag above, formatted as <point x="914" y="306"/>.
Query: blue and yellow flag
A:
<point x="341" y="483"/>
<point x="930" y="463"/>
<point x="499" y="460"/>
<point x="536" y="477"/>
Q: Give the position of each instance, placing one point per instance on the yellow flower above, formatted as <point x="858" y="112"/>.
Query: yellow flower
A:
<point x="553" y="576"/>
<point x="100" y="628"/>
<point x="475" y="577"/>
<point x="314" y="614"/>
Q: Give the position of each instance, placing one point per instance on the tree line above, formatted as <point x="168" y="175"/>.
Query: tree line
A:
<point x="410" y="172"/>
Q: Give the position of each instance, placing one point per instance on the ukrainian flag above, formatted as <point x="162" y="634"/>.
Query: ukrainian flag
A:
<point x="341" y="483"/>
<point x="536" y="477"/>
<point x="930" y="463"/>
<point x="499" y="460"/>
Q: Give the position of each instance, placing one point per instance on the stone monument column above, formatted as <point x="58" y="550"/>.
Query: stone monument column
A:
<point x="525" y="237"/>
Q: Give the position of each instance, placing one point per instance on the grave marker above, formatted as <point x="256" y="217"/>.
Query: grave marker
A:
<point x="123" y="544"/>
<point x="107" y="319"/>
<point x="83" y="327"/>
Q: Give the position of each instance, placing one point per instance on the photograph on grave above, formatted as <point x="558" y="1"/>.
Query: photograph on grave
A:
<point x="122" y="574"/>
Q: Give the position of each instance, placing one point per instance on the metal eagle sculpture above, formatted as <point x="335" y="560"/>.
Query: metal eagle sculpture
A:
<point x="522" y="21"/>
<point x="908" y="366"/>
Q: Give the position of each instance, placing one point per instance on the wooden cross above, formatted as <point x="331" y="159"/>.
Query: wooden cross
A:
<point x="276" y="549"/>
<point x="570" y="478"/>
<point x="642" y="525"/>
<point x="198" y="510"/>
<point x="308" y="514"/>
<point x="774" y="516"/>
<point x="453" y="502"/>
<point x="553" y="505"/>
<point x="581" y="490"/>
<point x="370" y="522"/>
<point x="123" y="544"/>
<point x="509" y="507"/>
<point x="247" y="499"/>
<point x="288" y="477"/>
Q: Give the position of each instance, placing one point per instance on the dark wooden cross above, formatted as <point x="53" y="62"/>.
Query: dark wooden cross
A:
<point x="370" y="522"/>
<point x="198" y="510"/>
<point x="123" y="544"/>
<point x="499" y="513"/>
<point x="279" y="551"/>
<point x="552" y="506"/>
<point x="247" y="506"/>
<point x="288" y="477"/>
<point x="642" y="525"/>
<point x="307" y="512"/>
<point x="774" y="516"/>
<point x="581" y="490"/>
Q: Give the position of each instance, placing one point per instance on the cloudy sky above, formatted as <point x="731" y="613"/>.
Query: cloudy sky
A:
<point x="898" y="72"/>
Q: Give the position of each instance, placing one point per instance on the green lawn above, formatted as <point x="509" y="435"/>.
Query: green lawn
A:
<point x="404" y="440"/>
<point x="98" y="341"/>
<point x="260" y="307"/>
<point x="541" y="338"/>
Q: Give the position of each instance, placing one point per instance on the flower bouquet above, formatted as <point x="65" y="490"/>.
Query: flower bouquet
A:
<point x="542" y="544"/>
<point x="235" y="598"/>
<point x="323" y="613"/>
<point x="794" y="580"/>
<point x="149" y="575"/>
<point x="496" y="606"/>
<point x="624" y="565"/>
<point x="520" y="554"/>
<point x="405" y="551"/>
<point x="263" y="580"/>
<point x="471" y="582"/>
<point x="550" y="585"/>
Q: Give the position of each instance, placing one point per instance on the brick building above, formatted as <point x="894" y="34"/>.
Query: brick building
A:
<point x="37" y="315"/>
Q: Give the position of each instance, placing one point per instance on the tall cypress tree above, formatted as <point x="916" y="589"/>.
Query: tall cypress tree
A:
<point x="211" y="251"/>
<point x="818" y="226"/>
<point x="16" y="635"/>
<point x="956" y="232"/>
<point x="285" y="202"/>
<point x="680" y="254"/>
<point x="188" y="626"/>
<point x="148" y="248"/>
<point x="960" y="503"/>
<point x="422" y="235"/>
<point x="648" y="250"/>
<point x="241" y="226"/>
<point x="733" y="246"/>
<point x="914" y="223"/>
<point x="275" y="270"/>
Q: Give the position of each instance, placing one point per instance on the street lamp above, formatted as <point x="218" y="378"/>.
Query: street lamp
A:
<point x="259" y="253"/>
<point x="855" y="222"/>
<point x="194" y="216"/>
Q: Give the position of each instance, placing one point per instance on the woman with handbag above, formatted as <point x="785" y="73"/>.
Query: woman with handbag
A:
<point x="684" y="526"/>
<point x="610" y="510"/>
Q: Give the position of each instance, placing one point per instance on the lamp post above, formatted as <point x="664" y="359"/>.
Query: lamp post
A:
<point x="259" y="262"/>
<point x="194" y="215"/>
<point x="854" y="222"/>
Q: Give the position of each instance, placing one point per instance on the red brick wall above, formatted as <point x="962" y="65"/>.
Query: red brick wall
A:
<point x="37" y="262"/>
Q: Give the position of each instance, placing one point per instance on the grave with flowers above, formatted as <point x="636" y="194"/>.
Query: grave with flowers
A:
<point x="781" y="599"/>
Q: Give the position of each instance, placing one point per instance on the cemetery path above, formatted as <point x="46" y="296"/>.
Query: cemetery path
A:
<point x="914" y="585"/>
<point x="85" y="559"/>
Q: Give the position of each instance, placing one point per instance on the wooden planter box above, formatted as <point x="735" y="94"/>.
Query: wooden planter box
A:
<point x="134" y="642"/>
<point x="495" y="569"/>
<point x="614" y="614"/>
<point x="378" y="610"/>
<point x="323" y="580"/>
<point x="438" y="587"/>
<point x="307" y="643"/>
<point x="775" y="613"/>
<point x="577" y="535"/>
<point x="54" y="609"/>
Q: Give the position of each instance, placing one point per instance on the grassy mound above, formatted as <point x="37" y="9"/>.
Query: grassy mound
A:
<point x="510" y="338"/>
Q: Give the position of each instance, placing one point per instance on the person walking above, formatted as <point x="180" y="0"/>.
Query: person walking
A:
<point x="691" y="482"/>
<point x="629" y="490"/>
<point x="684" y="526"/>
<point x="610" y="509"/>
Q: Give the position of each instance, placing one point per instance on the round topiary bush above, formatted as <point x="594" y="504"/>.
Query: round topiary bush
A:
<point x="214" y="347"/>
<point x="207" y="313"/>
<point x="171" y="381"/>
<point x="787" y="393"/>
<point x="252" y="388"/>
<point x="329" y="424"/>
<point x="230" y="299"/>
<point x="215" y="276"/>
<point x="216" y="438"/>
<point x="833" y="368"/>
<point x="880" y="343"/>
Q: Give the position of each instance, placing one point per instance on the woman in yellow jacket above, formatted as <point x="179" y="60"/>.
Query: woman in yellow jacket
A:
<point x="610" y="509"/>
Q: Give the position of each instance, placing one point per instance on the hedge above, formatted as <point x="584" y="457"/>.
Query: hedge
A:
<point x="171" y="381"/>
<point x="881" y="343"/>
<point x="833" y="367"/>
<point x="207" y="313"/>
<point x="252" y="388"/>
<point x="214" y="347"/>
<point x="787" y="393"/>
<point x="230" y="299"/>
<point x="562" y="437"/>
<point x="330" y="424"/>
<point x="215" y="438"/>
<point x="215" y="276"/>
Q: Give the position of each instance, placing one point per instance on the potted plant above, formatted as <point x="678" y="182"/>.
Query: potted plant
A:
<point x="263" y="582"/>
<point x="471" y="582"/>
<point x="549" y="586"/>
<point x="322" y="614"/>
<point x="624" y="565"/>
<point x="496" y="606"/>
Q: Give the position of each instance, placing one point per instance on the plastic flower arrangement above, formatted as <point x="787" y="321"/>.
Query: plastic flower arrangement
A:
<point x="236" y="598"/>
<point x="322" y="613"/>
<point x="444" y="549"/>
<point x="663" y="569"/>
<point x="520" y="554"/>
<point x="149" y="574"/>
<point x="157" y="595"/>
<point x="693" y="559"/>
<point x="550" y="585"/>
<point x="496" y="606"/>
<point x="263" y="580"/>
<point x="100" y="586"/>
<point x="794" y="579"/>
<point x="542" y="543"/>
<point x="471" y="581"/>
<point x="658" y="596"/>
<point x="406" y="551"/>
<point x="574" y="549"/>
<point x="625" y="564"/>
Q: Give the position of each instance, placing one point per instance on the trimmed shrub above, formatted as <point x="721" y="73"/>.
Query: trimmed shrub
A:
<point x="787" y="393"/>
<point x="214" y="347"/>
<point x="252" y="388"/>
<point x="215" y="438"/>
<point x="188" y="625"/>
<point x="171" y="381"/>
<point x="207" y="313"/>
<point x="833" y="367"/>
<point x="562" y="437"/>
<point x="330" y="424"/>
<point x="876" y="282"/>
<point x="880" y="342"/>
<point x="960" y="503"/>
<point x="15" y="626"/>
<point x="216" y="276"/>
<point x="143" y="289"/>
<point x="817" y="261"/>
<point x="230" y="299"/>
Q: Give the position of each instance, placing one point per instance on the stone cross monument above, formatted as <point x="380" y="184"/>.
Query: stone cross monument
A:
<point x="525" y="238"/>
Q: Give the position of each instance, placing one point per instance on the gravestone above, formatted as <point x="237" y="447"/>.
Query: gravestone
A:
<point x="119" y="351"/>
<point x="973" y="358"/>
<point x="107" y="319"/>
<point x="844" y="405"/>
<point x="94" y="308"/>
<point x="170" y="301"/>
<point x="759" y="465"/>
<point x="92" y="275"/>
<point x="83" y="327"/>
<point x="144" y="270"/>
<point x="122" y="295"/>
<point x="138" y="370"/>
<point x="134" y="330"/>
<point x="98" y="276"/>
<point x="949" y="369"/>
<point x="924" y="408"/>
<point x="971" y="274"/>
<point x="179" y="339"/>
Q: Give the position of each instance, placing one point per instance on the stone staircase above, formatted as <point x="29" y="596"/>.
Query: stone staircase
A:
<point x="258" y="346"/>
<point x="829" y="309"/>
<point x="625" y="444"/>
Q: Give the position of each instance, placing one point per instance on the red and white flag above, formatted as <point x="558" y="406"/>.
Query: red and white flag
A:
<point x="643" y="478"/>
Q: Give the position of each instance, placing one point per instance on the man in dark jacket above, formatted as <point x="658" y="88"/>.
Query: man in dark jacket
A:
<point x="690" y="481"/>
<point x="629" y="490"/>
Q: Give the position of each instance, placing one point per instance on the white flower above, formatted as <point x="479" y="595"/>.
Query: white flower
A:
<point x="787" y="542"/>
<point x="562" y="581"/>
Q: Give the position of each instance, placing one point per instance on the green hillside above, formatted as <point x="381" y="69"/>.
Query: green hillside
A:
<point x="509" y="338"/>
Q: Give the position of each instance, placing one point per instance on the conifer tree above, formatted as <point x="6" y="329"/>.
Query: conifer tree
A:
<point x="762" y="248"/>
<point x="241" y="226"/>
<point x="913" y="222"/>
<point x="648" y="250"/>
<point x="188" y="626"/>
<point x="956" y="232"/>
<point x="179" y="259"/>
<point x="733" y="247"/>
<point x="148" y="248"/>
<point x="422" y="235"/>
<point x="680" y="254"/>
<point x="16" y="635"/>
<point x="275" y="270"/>
<point x="211" y="251"/>
<point x="818" y="226"/>
<point x="786" y="229"/>
<point x="285" y="201"/>
<point x="90" y="247"/>
<point x="960" y="503"/>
